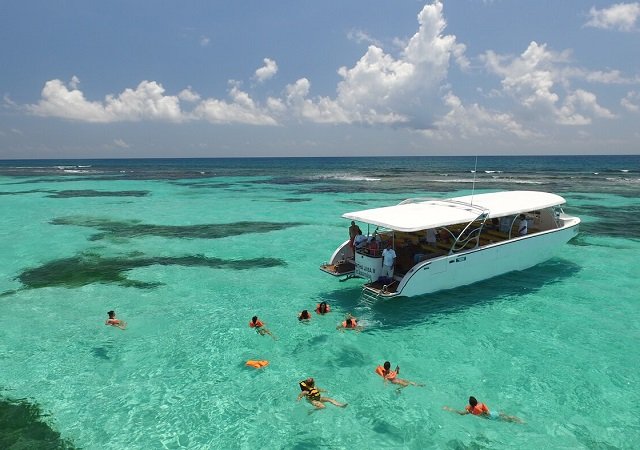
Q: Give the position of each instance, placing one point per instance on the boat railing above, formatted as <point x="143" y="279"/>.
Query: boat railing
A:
<point x="513" y="222"/>
<point x="463" y="242"/>
<point x="467" y="236"/>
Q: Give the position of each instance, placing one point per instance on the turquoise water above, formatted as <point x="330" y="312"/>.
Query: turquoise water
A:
<point x="557" y="345"/>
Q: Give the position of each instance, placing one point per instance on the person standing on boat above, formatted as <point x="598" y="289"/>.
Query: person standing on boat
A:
<point x="431" y="237"/>
<point x="388" y="263"/>
<point x="354" y="230"/>
<point x="523" y="227"/>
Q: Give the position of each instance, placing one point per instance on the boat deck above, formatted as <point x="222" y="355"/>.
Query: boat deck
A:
<point x="339" y="269"/>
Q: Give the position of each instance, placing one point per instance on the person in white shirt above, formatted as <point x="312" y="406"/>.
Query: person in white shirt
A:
<point x="388" y="262"/>
<point x="522" y="228"/>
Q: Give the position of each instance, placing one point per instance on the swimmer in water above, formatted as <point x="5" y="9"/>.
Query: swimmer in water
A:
<point x="480" y="409"/>
<point x="392" y="376"/>
<point x="304" y="316"/>
<point x="350" y="323"/>
<point x="312" y="393"/>
<point x="260" y="328"/>
<point x="323" y="308"/>
<point x="115" y="322"/>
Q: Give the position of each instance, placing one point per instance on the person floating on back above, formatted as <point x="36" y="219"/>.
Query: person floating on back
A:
<point x="115" y="322"/>
<point x="323" y="308"/>
<point x="350" y="323"/>
<point x="480" y="409"/>
<point x="260" y="328"/>
<point x="392" y="376"/>
<point x="312" y="393"/>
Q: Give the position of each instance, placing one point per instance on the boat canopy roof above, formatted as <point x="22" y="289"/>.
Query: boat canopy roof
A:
<point x="421" y="214"/>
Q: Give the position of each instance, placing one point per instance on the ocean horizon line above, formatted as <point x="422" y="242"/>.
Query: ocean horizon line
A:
<point x="191" y="158"/>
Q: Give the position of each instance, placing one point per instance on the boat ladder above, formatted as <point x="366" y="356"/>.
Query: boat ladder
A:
<point x="368" y="298"/>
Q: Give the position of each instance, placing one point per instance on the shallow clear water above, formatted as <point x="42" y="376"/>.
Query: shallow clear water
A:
<point x="556" y="345"/>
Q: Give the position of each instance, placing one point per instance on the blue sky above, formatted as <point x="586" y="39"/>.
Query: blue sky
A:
<point x="332" y="78"/>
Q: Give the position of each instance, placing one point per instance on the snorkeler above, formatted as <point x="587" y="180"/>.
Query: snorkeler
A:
<point x="115" y="322"/>
<point x="260" y="328"/>
<point x="480" y="409"/>
<point x="349" y="323"/>
<point x="392" y="376"/>
<point x="312" y="393"/>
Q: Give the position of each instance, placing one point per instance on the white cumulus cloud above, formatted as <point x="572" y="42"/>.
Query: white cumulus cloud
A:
<point x="58" y="101"/>
<point x="539" y="78"/>
<point x="579" y="108"/>
<point x="385" y="89"/>
<point x="620" y="16"/>
<point x="241" y="109"/>
<point x="147" y="102"/>
<point x="631" y="101"/>
<point x="267" y="71"/>
<point x="189" y="95"/>
<point x="471" y="121"/>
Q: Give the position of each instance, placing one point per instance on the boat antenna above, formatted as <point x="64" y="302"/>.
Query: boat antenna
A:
<point x="473" y="186"/>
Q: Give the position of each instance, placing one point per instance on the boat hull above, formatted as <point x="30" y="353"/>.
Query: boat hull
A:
<point x="467" y="267"/>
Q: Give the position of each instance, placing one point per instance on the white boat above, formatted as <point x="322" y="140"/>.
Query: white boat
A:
<point x="477" y="238"/>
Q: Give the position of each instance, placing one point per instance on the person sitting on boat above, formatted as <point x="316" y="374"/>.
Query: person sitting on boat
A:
<point x="388" y="262"/>
<point x="304" y="316"/>
<point x="323" y="308"/>
<point x="349" y="323"/>
<point x="523" y="226"/>
<point x="373" y="245"/>
<point x="309" y="390"/>
<point x="259" y="326"/>
<point x="111" y="320"/>
<point x="480" y="409"/>
<point x="354" y="230"/>
<point x="360" y="241"/>
<point x="392" y="376"/>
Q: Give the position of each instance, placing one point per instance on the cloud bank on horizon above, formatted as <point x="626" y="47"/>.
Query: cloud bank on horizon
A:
<point x="409" y="87"/>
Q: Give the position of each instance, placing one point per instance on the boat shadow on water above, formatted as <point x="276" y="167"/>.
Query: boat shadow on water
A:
<point x="408" y="311"/>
